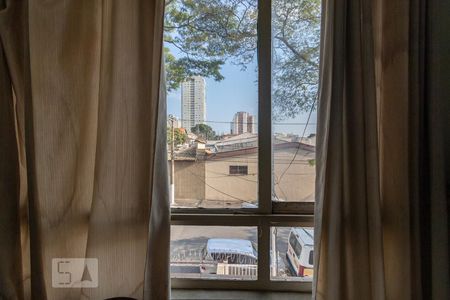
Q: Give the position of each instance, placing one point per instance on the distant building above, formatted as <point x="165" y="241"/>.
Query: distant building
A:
<point x="289" y="137"/>
<point x="243" y="122"/>
<point x="311" y="139"/>
<point x="193" y="102"/>
<point x="207" y="179"/>
<point x="237" y="142"/>
<point x="251" y="124"/>
<point x="225" y="172"/>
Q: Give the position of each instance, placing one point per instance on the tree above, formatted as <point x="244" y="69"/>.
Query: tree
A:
<point x="208" y="33"/>
<point x="180" y="136"/>
<point x="204" y="131"/>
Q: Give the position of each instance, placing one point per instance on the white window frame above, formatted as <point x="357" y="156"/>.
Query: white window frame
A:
<point x="269" y="212"/>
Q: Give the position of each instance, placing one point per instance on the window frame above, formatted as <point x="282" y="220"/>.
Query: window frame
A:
<point x="239" y="170"/>
<point x="263" y="222"/>
<point x="269" y="212"/>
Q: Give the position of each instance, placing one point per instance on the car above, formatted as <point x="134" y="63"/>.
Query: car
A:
<point x="228" y="251"/>
<point x="300" y="252"/>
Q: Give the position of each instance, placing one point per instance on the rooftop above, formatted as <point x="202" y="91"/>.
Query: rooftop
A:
<point x="236" y="246"/>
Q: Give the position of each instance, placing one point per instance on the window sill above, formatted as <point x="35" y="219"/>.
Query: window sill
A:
<point x="182" y="294"/>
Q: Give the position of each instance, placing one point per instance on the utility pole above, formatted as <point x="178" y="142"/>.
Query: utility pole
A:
<point x="172" y="159"/>
<point x="274" y="252"/>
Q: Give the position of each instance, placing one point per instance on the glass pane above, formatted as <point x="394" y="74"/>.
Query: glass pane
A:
<point x="295" y="75"/>
<point x="212" y="102"/>
<point x="214" y="252"/>
<point x="292" y="252"/>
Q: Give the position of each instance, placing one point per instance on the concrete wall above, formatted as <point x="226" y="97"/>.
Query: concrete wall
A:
<point x="189" y="180"/>
<point x="294" y="180"/>
<point x="222" y="186"/>
<point x="210" y="180"/>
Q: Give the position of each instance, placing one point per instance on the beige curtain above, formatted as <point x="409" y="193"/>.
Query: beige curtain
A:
<point x="349" y="255"/>
<point x="85" y="140"/>
<point x="382" y="210"/>
<point x="413" y="49"/>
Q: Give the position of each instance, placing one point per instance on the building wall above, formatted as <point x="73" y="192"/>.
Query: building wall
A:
<point x="251" y="124"/>
<point x="222" y="186"/>
<point x="294" y="180"/>
<point x="189" y="180"/>
<point x="236" y="144"/>
<point x="298" y="181"/>
<point x="243" y="122"/>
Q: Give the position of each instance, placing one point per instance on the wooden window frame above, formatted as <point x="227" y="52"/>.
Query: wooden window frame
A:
<point x="269" y="213"/>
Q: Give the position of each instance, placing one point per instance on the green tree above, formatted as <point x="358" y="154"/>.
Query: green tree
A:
<point x="208" y="33"/>
<point x="180" y="136"/>
<point x="204" y="131"/>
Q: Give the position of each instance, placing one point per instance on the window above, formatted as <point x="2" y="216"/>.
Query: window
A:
<point x="238" y="170"/>
<point x="214" y="252"/>
<point x="291" y="253"/>
<point x="242" y="79"/>
<point x="294" y="244"/>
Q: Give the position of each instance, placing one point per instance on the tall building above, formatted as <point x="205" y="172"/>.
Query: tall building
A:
<point x="243" y="122"/>
<point x="193" y="102"/>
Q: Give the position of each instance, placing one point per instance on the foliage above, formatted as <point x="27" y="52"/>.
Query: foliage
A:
<point x="296" y="26"/>
<point x="204" y="131"/>
<point x="180" y="136"/>
<point x="208" y="33"/>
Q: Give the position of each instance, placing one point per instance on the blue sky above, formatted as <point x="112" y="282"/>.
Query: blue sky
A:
<point x="237" y="92"/>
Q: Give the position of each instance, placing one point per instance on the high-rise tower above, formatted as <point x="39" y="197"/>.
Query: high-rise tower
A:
<point x="243" y="122"/>
<point x="193" y="102"/>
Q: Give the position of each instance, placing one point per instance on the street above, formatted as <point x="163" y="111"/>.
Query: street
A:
<point x="188" y="241"/>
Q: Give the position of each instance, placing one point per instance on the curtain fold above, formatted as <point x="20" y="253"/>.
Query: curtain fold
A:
<point x="91" y="117"/>
<point x="393" y="27"/>
<point x="382" y="115"/>
<point x="10" y="270"/>
<point x="14" y="92"/>
<point x="411" y="97"/>
<point x="349" y="255"/>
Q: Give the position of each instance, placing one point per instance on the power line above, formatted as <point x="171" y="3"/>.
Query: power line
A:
<point x="303" y="136"/>
<point x="284" y="162"/>
<point x="232" y="176"/>
<point x="217" y="190"/>
<point x="237" y="177"/>
<point x="274" y="123"/>
<point x="290" y="163"/>
<point x="223" y="175"/>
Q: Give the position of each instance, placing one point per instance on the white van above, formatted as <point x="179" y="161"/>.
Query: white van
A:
<point x="229" y="251"/>
<point x="300" y="252"/>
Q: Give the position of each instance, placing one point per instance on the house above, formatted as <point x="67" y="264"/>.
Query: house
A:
<point x="229" y="178"/>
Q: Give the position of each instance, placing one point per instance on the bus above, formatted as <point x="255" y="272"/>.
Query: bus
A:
<point x="300" y="252"/>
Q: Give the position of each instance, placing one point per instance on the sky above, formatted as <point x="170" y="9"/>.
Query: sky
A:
<point x="237" y="92"/>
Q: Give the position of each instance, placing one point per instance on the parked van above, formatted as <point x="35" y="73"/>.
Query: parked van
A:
<point x="300" y="252"/>
<point x="230" y="251"/>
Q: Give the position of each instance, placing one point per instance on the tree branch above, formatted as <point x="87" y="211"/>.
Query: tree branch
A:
<point x="296" y="53"/>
